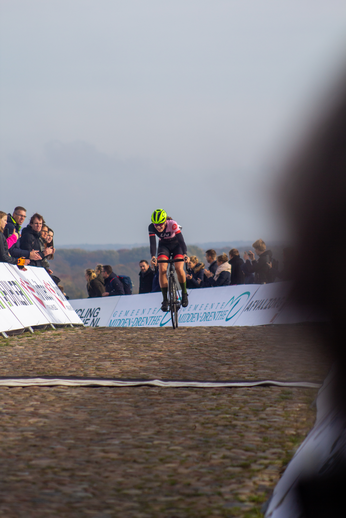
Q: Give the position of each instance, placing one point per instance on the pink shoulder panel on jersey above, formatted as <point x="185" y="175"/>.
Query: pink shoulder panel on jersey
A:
<point x="172" y="227"/>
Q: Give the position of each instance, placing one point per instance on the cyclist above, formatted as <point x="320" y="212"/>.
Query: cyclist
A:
<point x="171" y="244"/>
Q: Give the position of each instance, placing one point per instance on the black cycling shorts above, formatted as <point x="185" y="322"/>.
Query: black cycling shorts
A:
<point x="168" y="250"/>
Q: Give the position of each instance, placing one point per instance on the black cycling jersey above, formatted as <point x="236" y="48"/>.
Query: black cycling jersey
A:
<point x="171" y="236"/>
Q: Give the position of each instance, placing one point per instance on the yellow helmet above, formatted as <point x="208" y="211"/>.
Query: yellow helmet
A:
<point x="158" y="217"/>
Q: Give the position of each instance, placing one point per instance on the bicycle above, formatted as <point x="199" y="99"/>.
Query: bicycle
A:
<point x="173" y="291"/>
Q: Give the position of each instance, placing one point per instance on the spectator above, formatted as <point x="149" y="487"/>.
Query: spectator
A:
<point x="12" y="233"/>
<point x="30" y="241"/>
<point x="43" y="239"/>
<point x="61" y="288"/>
<point x="237" y="274"/>
<point x="146" y="276"/>
<point x="98" y="271"/>
<point x="95" y="287"/>
<point x="249" y="276"/>
<point x="44" y="232"/>
<point x="194" y="274"/>
<point x="50" y="237"/>
<point x="4" y="255"/>
<point x="16" y="251"/>
<point x="45" y="263"/>
<point x="222" y="276"/>
<point x="15" y="222"/>
<point x="12" y="239"/>
<point x="210" y="256"/>
<point x="262" y="267"/>
<point x="113" y="286"/>
<point x="49" y="242"/>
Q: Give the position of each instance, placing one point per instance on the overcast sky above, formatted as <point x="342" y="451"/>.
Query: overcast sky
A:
<point x="111" y="109"/>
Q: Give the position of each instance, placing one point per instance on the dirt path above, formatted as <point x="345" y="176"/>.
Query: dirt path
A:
<point x="153" y="452"/>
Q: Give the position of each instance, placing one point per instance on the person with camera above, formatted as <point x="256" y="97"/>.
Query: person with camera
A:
<point x="194" y="273"/>
<point x="262" y="268"/>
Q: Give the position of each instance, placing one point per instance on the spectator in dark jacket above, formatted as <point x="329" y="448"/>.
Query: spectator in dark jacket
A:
<point x="113" y="286"/>
<point x="194" y="273"/>
<point x="4" y="255"/>
<point x="249" y="276"/>
<point x="14" y="225"/>
<point x="210" y="256"/>
<point x="237" y="274"/>
<point x="95" y="288"/>
<point x="263" y="266"/>
<point x="31" y="240"/>
<point x="15" y="222"/>
<point x="222" y="276"/>
<point x="146" y="276"/>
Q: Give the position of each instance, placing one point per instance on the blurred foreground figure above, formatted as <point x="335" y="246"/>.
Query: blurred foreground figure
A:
<point x="313" y="483"/>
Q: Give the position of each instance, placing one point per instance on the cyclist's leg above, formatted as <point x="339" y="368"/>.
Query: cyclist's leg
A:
<point x="163" y="254"/>
<point x="179" y="268"/>
<point x="163" y="271"/>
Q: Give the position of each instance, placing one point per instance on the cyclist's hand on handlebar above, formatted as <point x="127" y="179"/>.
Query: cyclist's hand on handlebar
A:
<point x="154" y="260"/>
<point x="186" y="258"/>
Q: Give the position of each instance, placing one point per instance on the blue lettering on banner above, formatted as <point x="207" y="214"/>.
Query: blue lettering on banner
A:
<point x="225" y="312"/>
<point x="135" y="322"/>
<point x="197" y="313"/>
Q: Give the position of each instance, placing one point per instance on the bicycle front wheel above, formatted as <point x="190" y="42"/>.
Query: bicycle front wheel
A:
<point x="173" y="301"/>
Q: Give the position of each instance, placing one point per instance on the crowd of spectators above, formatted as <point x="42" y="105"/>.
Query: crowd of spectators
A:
<point x="103" y="282"/>
<point x="34" y="245"/>
<point x="222" y="270"/>
<point x="30" y="245"/>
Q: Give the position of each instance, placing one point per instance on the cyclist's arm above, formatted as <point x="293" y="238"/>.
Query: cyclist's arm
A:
<point x="152" y="241"/>
<point x="181" y="241"/>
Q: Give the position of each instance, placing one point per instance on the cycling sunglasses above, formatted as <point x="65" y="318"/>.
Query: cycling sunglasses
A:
<point x="159" y="224"/>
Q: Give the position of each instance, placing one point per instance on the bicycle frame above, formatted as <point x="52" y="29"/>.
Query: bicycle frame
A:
<point x="173" y="291"/>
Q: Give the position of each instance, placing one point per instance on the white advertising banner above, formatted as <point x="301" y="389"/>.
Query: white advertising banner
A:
<point x="95" y="312"/>
<point x="30" y="298"/>
<point x="24" y="300"/>
<point x="266" y="304"/>
<point x="220" y="306"/>
<point x="50" y="310"/>
<point x="60" y="302"/>
<point x="8" y="300"/>
<point x="244" y="305"/>
<point x="138" y="311"/>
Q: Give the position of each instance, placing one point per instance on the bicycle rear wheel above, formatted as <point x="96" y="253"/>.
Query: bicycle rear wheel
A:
<point x="173" y="301"/>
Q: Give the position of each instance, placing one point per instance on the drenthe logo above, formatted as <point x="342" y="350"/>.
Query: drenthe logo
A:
<point x="237" y="305"/>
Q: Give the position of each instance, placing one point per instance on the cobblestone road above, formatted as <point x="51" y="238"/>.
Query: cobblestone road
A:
<point x="153" y="452"/>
